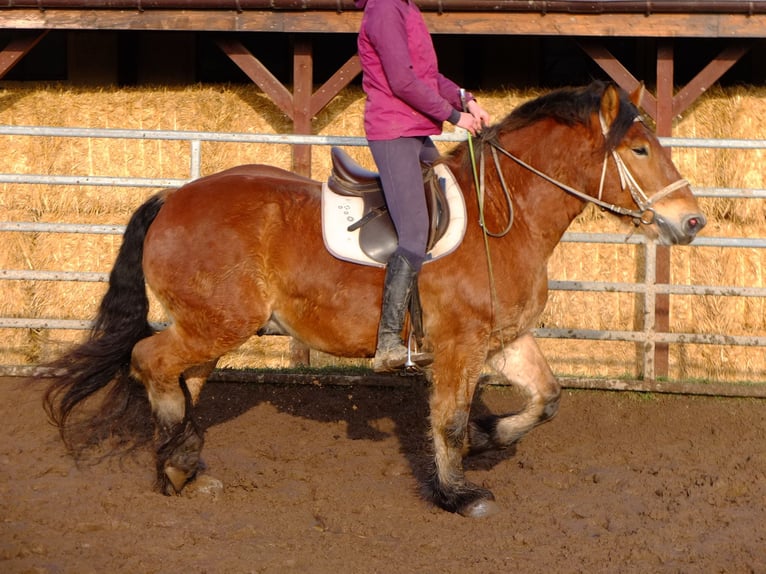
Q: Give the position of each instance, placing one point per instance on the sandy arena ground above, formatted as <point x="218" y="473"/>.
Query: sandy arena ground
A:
<point x="323" y="479"/>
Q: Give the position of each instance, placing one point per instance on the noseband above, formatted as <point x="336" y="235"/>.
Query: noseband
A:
<point x="644" y="214"/>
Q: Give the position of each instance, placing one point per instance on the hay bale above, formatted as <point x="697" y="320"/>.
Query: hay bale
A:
<point x="736" y="112"/>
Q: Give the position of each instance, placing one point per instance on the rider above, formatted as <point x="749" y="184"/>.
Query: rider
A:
<point x="408" y="100"/>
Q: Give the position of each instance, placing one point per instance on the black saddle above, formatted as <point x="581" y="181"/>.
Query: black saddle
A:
<point x="377" y="235"/>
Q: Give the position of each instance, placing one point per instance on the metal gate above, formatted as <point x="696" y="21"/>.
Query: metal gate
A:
<point x="647" y="337"/>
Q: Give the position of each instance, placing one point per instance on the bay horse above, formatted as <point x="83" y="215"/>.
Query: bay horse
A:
<point x="240" y="253"/>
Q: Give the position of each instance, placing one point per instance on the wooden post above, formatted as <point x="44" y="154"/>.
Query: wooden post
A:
<point x="664" y="121"/>
<point x="303" y="86"/>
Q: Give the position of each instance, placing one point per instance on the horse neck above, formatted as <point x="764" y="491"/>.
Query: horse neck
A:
<point x="542" y="211"/>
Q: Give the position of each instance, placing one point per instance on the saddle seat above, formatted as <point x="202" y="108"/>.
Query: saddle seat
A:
<point x="350" y="177"/>
<point x="376" y="236"/>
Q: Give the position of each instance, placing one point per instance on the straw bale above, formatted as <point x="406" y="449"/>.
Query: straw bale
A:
<point x="576" y="358"/>
<point x="15" y="347"/>
<point x="272" y="352"/>
<point x="734" y="113"/>
<point x="731" y="113"/>
<point x="14" y="301"/>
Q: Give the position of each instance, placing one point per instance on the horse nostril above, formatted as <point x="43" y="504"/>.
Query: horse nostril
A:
<point x="694" y="223"/>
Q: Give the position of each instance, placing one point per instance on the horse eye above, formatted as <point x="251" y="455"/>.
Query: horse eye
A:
<point x="642" y="150"/>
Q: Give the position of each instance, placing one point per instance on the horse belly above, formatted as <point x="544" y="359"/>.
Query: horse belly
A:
<point x="331" y="305"/>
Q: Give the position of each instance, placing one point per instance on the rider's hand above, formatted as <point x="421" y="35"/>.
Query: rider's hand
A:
<point x="469" y="122"/>
<point x="481" y="115"/>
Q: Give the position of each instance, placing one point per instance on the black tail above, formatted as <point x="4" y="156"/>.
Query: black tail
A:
<point x="105" y="356"/>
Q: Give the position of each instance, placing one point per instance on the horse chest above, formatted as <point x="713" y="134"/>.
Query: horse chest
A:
<point x="530" y="299"/>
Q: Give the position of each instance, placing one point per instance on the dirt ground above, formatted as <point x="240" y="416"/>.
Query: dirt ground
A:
<point x="323" y="479"/>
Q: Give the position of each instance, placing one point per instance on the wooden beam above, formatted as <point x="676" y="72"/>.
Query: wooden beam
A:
<point x="619" y="73"/>
<point x="339" y="80"/>
<point x="490" y="23"/>
<point x="303" y="84"/>
<point x="19" y="47"/>
<point x="708" y="76"/>
<point x="258" y="73"/>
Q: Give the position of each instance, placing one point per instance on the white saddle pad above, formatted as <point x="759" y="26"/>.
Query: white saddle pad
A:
<point x="340" y="211"/>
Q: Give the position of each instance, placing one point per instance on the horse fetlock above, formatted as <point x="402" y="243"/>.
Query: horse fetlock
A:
<point x="463" y="498"/>
<point x="550" y="409"/>
<point x="178" y="456"/>
<point x="486" y="434"/>
<point x="481" y="434"/>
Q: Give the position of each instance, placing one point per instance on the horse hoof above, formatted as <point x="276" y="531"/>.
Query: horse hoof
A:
<point x="176" y="477"/>
<point x="206" y="485"/>
<point x="481" y="508"/>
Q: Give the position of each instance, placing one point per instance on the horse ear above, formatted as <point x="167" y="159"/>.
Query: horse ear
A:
<point x="638" y="94"/>
<point x="610" y="104"/>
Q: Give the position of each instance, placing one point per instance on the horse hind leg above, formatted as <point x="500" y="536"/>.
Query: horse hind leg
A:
<point x="160" y="362"/>
<point x="178" y="448"/>
<point x="524" y="365"/>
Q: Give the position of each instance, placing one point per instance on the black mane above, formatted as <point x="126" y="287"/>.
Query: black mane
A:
<point x="570" y="106"/>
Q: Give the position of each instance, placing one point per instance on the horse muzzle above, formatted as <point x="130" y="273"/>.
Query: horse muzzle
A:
<point x="682" y="232"/>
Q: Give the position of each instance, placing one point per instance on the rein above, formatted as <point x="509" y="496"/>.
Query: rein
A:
<point x="645" y="213"/>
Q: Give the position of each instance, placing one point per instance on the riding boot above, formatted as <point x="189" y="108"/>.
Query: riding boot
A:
<point x="391" y="354"/>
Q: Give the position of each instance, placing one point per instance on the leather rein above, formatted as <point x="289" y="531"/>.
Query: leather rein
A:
<point x="644" y="214"/>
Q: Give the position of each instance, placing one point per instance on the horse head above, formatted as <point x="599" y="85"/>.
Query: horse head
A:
<point x="659" y="200"/>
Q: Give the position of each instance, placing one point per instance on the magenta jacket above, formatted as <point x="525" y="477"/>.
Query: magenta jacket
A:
<point x="406" y="94"/>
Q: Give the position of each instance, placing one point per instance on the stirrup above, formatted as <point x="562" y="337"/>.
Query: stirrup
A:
<point x="416" y="367"/>
<point x="401" y="359"/>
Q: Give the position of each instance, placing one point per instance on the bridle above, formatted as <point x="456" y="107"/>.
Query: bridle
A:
<point x="645" y="214"/>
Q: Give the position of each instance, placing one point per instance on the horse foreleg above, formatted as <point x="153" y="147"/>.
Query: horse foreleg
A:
<point x="450" y="406"/>
<point x="524" y="365"/>
<point x="158" y="363"/>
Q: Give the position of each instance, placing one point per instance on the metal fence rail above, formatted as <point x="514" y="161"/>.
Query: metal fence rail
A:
<point x="648" y="288"/>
